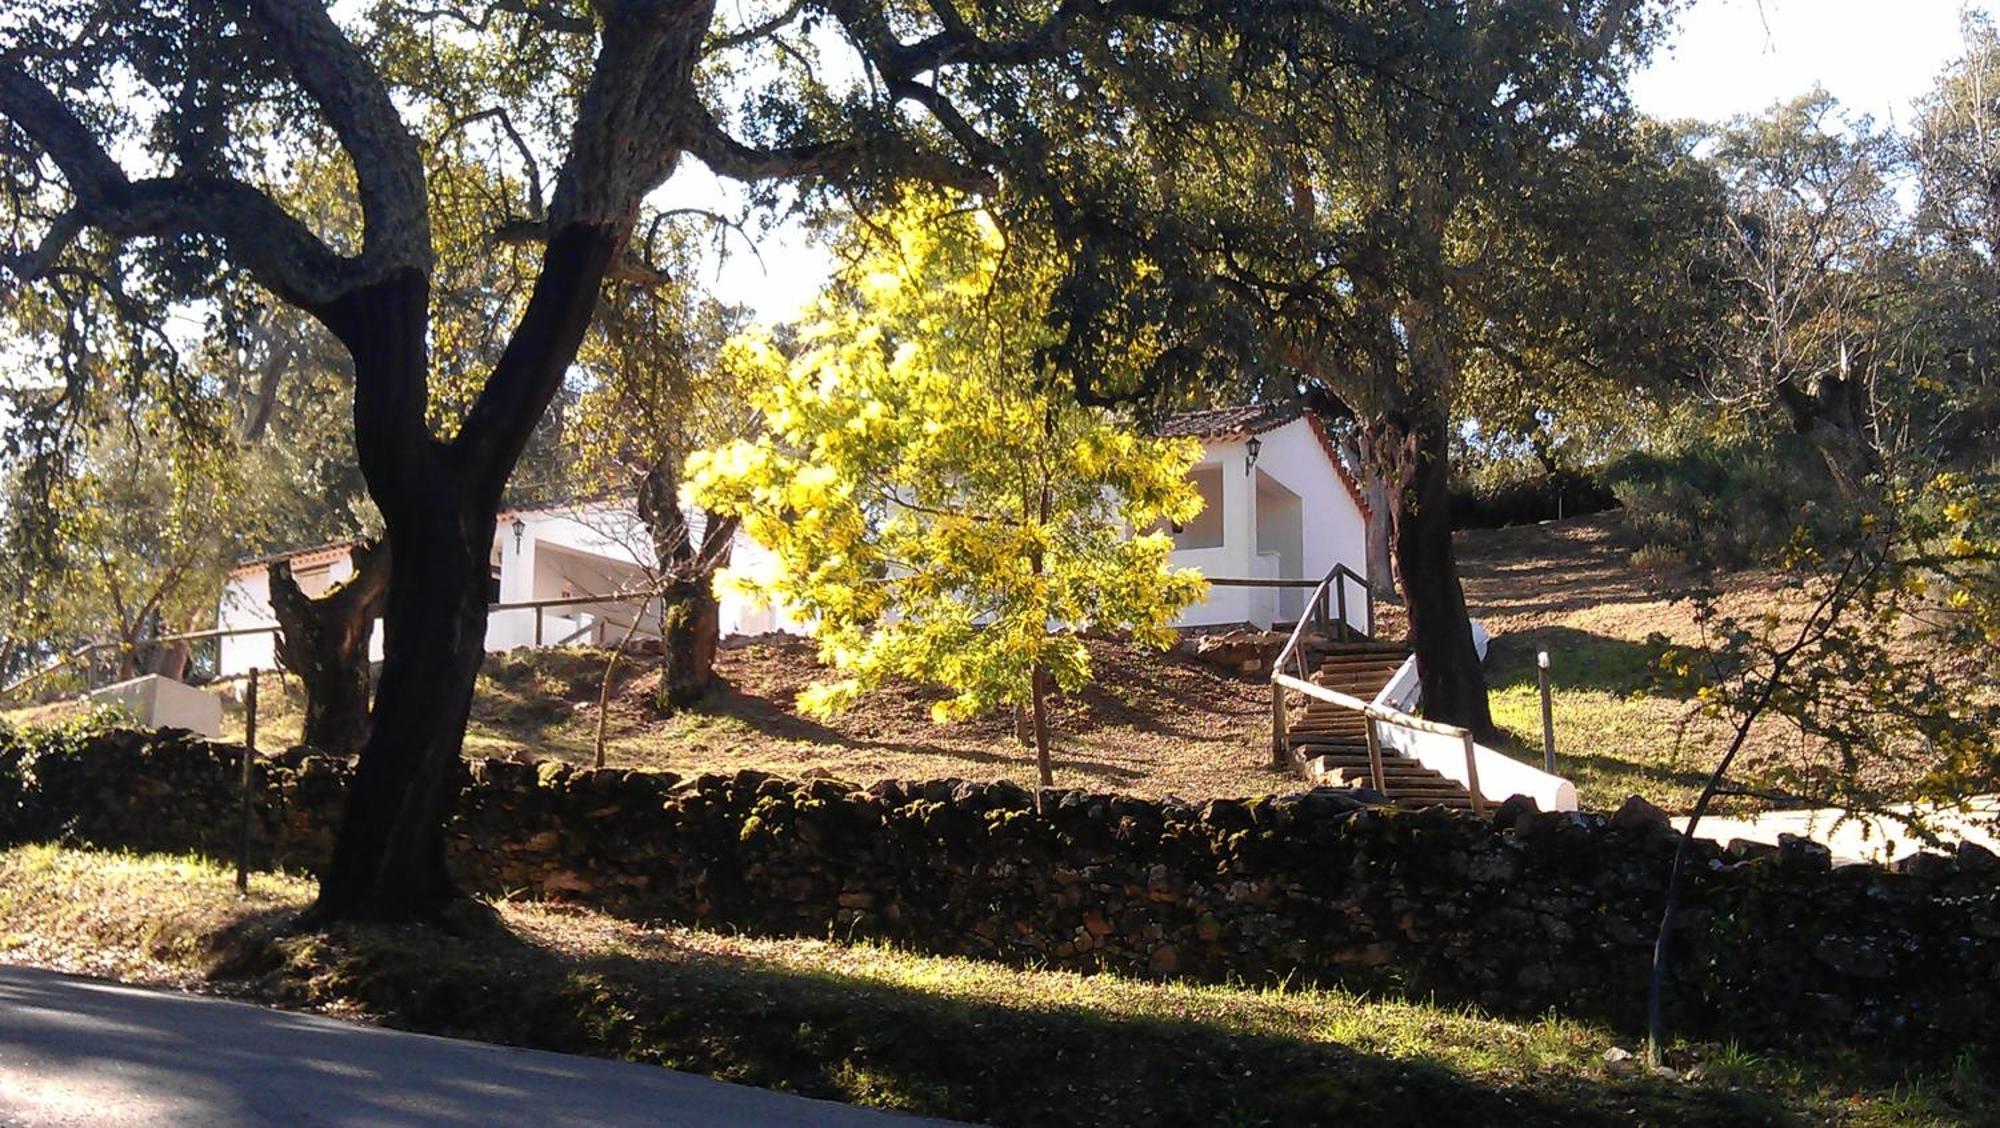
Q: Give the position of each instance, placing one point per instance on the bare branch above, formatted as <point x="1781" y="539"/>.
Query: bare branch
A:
<point x="533" y="168"/>
<point x="758" y="30"/>
<point x="727" y="156"/>
<point x="61" y="233"/>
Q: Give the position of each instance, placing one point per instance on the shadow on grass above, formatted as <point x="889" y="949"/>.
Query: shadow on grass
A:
<point x="854" y="1038"/>
<point x="1602" y="775"/>
<point x="1578" y="660"/>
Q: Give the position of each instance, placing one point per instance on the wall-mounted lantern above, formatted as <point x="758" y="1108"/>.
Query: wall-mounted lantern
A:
<point x="520" y="527"/>
<point x="1255" y="446"/>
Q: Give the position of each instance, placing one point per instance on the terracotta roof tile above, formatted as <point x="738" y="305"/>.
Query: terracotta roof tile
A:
<point x="1230" y="422"/>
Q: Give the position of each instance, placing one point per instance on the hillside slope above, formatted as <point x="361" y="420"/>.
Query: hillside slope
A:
<point x="1150" y="724"/>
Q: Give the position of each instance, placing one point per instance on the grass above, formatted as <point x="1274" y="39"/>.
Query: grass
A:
<point x="948" y="1037"/>
<point x="1568" y="588"/>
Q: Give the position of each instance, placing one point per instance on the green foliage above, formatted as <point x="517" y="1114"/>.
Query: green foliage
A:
<point x="938" y="511"/>
<point x="23" y="816"/>
<point x="1879" y="650"/>
<point x="1727" y="502"/>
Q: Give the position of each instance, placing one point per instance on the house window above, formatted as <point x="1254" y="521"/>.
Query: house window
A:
<point x="493" y="584"/>
<point x="1205" y="531"/>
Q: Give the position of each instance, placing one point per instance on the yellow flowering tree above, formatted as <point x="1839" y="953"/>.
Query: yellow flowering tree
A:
<point x="940" y="509"/>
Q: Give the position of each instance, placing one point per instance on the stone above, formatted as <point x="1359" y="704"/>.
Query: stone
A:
<point x="1749" y="850"/>
<point x="1243" y="651"/>
<point x="1797" y="852"/>
<point x="1974" y="858"/>
<point x="1635" y="813"/>
<point x="1620" y="1062"/>
<point x="1556" y="911"/>
<point x="1512" y="810"/>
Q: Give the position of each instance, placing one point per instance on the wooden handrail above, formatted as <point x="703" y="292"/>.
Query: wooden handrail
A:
<point x="1384" y="714"/>
<point x="90" y="648"/>
<point x="574" y="600"/>
<point x="1239" y="581"/>
<point x="1293" y="652"/>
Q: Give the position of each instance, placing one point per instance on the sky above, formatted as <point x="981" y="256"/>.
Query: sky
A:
<point x="1729" y="57"/>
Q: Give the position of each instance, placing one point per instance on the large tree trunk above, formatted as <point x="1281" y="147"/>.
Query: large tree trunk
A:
<point x="438" y="502"/>
<point x="388" y="861"/>
<point x="168" y="660"/>
<point x="1833" y="418"/>
<point x="325" y="642"/>
<point x="1380" y="533"/>
<point x="1448" y="669"/>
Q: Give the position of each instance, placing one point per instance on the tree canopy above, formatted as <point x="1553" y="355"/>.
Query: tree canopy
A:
<point x="940" y="509"/>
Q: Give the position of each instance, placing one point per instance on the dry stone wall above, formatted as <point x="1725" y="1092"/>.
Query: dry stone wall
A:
<point x="1519" y="912"/>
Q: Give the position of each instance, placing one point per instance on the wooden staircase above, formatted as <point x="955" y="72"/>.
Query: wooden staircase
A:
<point x="1329" y="744"/>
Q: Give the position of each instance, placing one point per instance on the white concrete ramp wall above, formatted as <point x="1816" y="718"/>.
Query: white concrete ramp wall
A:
<point x="1500" y="776"/>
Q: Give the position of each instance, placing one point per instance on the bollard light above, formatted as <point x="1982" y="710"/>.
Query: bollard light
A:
<point x="1542" y="659"/>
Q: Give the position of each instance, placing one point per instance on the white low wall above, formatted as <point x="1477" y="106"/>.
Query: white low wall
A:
<point x="158" y="702"/>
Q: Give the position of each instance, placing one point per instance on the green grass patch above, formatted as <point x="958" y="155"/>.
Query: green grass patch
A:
<point x="948" y="1037"/>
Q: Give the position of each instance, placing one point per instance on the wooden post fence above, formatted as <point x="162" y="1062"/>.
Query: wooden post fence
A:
<point x="1548" y="714"/>
<point x="249" y="753"/>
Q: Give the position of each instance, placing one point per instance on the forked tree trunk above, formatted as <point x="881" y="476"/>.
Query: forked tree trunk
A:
<point x="325" y="642"/>
<point x="1448" y="670"/>
<point x="438" y="502"/>
<point x="1833" y="417"/>
<point x="690" y="615"/>
<point x="168" y="660"/>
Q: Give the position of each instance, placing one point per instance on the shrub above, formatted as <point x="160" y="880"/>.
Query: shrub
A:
<point x="23" y="817"/>
<point x="1729" y="504"/>
<point x="1525" y="500"/>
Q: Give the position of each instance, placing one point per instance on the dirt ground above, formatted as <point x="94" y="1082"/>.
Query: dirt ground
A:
<point x="1158" y="724"/>
<point x="1149" y="723"/>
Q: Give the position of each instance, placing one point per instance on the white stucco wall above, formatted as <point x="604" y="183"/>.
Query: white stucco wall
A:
<point x="603" y="547"/>
<point x="246" y="602"/>
<point x="1332" y="529"/>
<point x="1235" y="557"/>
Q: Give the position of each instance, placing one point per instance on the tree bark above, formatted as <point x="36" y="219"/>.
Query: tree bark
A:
<point x="1449" y="673"/>
<point x="690" y="631"/>
<point x="168" y="660"/>
<point x="690" y="614"/>
<point x="1380" y="534"/>
<point x="438" y="503"/>
<point x="325" y="642"/>
<point x="1833" y="418"/>
<point x="388" y="861"/>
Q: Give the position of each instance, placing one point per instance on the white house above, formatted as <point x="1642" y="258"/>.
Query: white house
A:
<point x="1279" y="505"/>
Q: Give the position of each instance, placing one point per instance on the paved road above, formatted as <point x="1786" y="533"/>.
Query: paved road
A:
<point x="80" y="1051"/>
